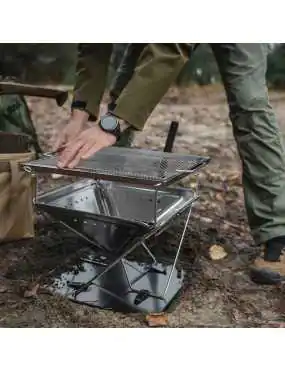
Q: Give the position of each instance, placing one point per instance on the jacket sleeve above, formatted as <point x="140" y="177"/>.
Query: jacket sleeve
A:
<point x="91" y="76"/>
<point x="126" y="69"/>
<point x="156" y="70"/>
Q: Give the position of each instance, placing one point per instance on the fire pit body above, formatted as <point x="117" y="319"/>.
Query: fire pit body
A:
<point x="126" y="197"/>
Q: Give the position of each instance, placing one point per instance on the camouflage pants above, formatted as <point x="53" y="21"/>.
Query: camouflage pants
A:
<point x="243" y="70"/>
<point x="15" y="118"/>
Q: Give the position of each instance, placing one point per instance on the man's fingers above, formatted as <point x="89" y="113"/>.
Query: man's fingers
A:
<point x="58" y="143"/>
<point x="85" y="153"/>
<point x="91" y="151"/>
<point x="73" y="163"/>
<point x="69" y="153"/>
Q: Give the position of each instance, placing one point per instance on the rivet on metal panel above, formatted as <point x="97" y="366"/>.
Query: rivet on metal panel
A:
<point x="27" y="169"/>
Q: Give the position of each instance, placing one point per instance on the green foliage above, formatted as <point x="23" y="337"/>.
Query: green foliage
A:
<point x="55" y="63"/>
<point x="46" y="63"/>
<point x="38" y="63"/>
<point x="276" y="67"/>
<point x="15" y="118"/>
<point x="201" y="69"/>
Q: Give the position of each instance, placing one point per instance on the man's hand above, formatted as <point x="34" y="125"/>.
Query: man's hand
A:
<point x="85" y="145"/>
<point x="71" y="130"/>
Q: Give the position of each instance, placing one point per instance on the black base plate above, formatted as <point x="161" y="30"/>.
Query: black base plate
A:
<point x="112" y="290"/>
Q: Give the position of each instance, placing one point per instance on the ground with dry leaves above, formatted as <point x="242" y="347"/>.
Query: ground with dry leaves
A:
<point x="218" y="292"/>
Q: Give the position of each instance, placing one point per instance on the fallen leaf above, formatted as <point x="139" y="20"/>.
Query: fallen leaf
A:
<point x="234" y="178"/>
<point x="219" y="197"/>
<point x="157" y="320"/>
<point x="32" y="292"/>
<point x="217" y="252"/>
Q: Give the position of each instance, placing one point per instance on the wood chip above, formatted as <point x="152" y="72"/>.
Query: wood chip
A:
<point x="32" y="292"/>
<point x="205" y="220"/>
<point x="157" y="320"/>
<point x="217" y="252"/>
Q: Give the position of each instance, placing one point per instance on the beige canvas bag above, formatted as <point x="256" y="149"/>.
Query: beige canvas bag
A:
<point x="17" y="190"/>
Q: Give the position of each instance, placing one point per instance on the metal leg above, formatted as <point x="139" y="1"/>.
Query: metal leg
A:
<point x="126" y="275"/>
<point x="149" y="252"/>
<point x="102" y="248"/>
<point x="81" y="235"/>
<point x="122" y="256"/>
<point x="110" y="266"/>
<point x="178" y="251"/>
<point x="118" y="260"/>
<point x="130" y="265"/>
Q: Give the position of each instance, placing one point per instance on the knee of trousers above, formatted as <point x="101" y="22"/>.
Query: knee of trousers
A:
<point x="248" y="100"/>
<point x="257" y="134"/>
<point x="250" y="111"/>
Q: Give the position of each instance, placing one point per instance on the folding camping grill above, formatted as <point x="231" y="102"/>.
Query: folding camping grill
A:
<point x="126" y="197"/>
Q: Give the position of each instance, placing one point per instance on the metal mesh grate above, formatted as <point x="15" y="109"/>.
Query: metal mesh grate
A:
<point x="130" y="164"/>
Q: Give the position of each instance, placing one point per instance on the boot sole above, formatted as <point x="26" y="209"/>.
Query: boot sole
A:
<point x="266" y="277"/>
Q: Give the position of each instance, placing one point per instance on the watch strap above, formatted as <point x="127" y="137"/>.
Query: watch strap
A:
<point x="80" y="105"/>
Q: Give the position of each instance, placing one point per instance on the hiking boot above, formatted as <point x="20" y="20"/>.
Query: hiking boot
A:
<point x="269" y="269"/>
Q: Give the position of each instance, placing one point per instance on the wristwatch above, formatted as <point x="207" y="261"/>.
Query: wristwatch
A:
<point x="110" y="124"/>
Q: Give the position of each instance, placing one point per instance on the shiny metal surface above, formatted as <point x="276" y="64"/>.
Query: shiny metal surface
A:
<point x="141" y="291"/>
<point x="144" y="167"/>
<point x="128" y="200"/>
<point x="120" y="201"/>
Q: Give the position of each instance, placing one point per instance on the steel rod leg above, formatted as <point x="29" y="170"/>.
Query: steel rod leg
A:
<point x="149" y="252"/>
<point x="98" y="246"/>
<point x="178" y="251"/>
<point x="110" y="266"/>
<point x="126" y="275"/>
<point x="81" y="235"/>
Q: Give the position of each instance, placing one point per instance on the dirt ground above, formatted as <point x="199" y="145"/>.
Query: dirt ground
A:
<point x="218" y="293"/>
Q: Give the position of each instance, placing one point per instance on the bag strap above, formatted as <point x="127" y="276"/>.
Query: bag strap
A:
<point x="15" y="178"/>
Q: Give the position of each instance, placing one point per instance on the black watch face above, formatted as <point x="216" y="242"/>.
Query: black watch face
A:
<point x="109" y="123"/>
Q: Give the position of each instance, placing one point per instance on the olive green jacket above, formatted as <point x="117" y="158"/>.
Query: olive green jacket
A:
<point x="143" y="65"/>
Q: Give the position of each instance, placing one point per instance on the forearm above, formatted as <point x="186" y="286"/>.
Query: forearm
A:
<point x="91" y="76"/>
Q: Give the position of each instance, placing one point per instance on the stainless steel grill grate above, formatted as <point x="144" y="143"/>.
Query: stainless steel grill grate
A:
<point x="128" y="165"/>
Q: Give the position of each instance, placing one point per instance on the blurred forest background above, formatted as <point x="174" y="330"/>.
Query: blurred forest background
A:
<point x="55" y="64"/>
